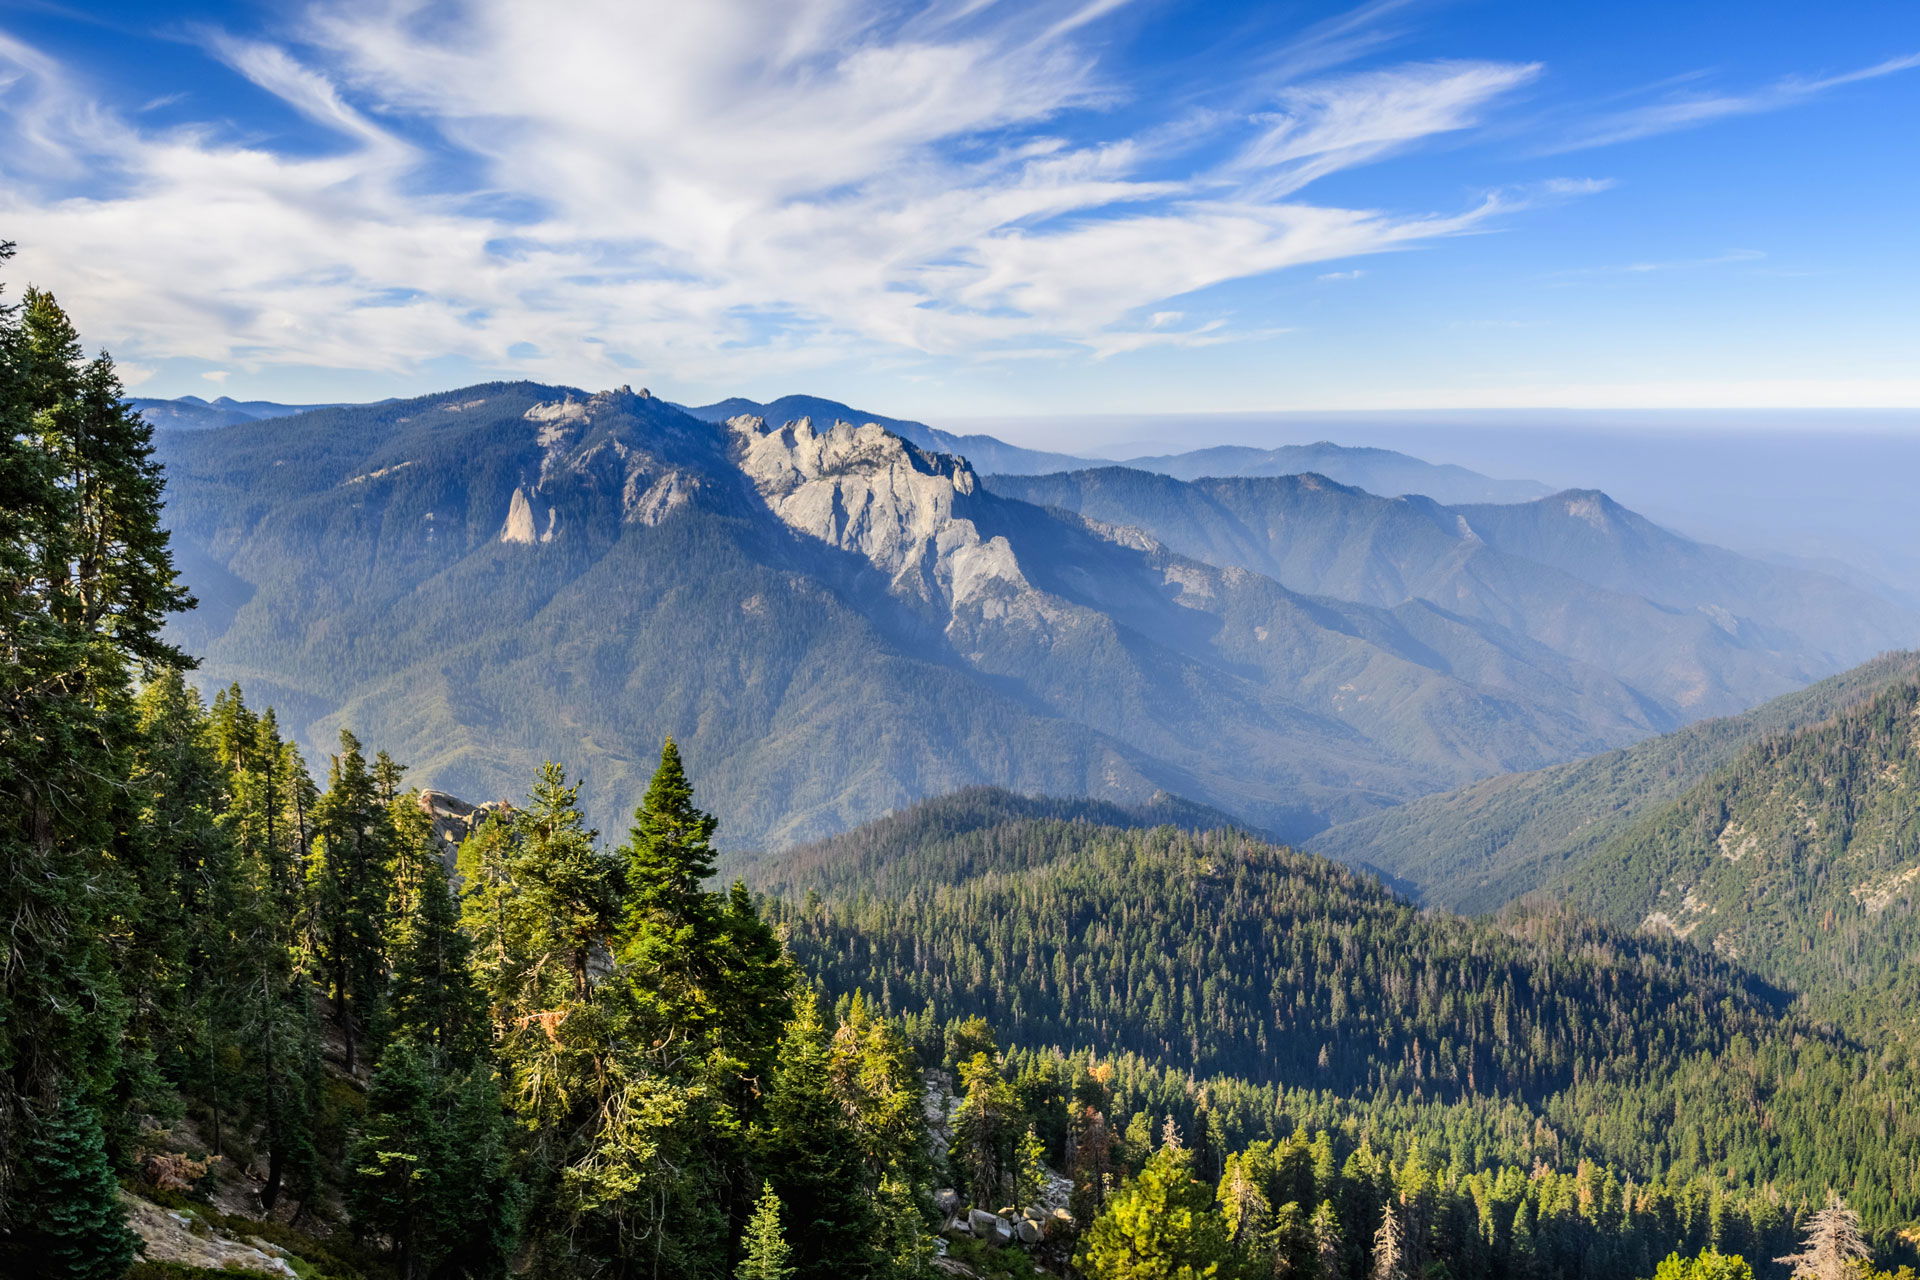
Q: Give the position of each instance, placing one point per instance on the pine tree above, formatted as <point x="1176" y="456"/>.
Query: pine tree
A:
<point x="765" y="1249"/>
<point x="1030" y="1169"/>
<point x="1162" y="1225"/>
<point x="1328" y="1244"/>
<point x="348" y="873"/>
<point x="1709" y="1264"/>
<point x="812" y="1155"/>
<point x="86" y="581"/>
<point x="1834" y="1247"/>
<point x="431" y="995"/>
<point x="983" y="1132"/>
<point x="429" y="1165"/>
<point x="263" y="813"/>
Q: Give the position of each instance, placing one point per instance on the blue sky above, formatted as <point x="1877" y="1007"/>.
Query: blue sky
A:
<point x="978" y="208"/>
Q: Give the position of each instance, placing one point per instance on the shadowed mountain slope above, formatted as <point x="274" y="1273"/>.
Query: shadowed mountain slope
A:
<point x="1695" y="629"/>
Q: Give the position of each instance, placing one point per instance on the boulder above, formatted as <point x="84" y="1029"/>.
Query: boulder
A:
<point x="990" y="1227"/>
<point x="1027" y="1231"/>
<point x="947" y="1200"/>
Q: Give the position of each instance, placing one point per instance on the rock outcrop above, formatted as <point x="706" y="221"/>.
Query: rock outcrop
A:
<point x="167" y="1235"/>
<point x="866" y="490"/>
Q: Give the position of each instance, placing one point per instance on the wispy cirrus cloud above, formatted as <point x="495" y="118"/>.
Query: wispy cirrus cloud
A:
<point x="1728" y="258"/>
<point x="1691" y="109"/>
<point x="701" y="189"/>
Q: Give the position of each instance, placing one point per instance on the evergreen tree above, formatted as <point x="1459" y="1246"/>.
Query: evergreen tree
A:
<point x="431" y="994"/>
<point x="1708" y="1264"/>
<point x="1389" y="1260"/>
<point x="765" y="1249"/>
<point x="1030" y="1169"/>
<point x="1162" y="1225"/>
<point x="429" y="1166"/>
<point x="86" y="581"/>
<point x="67" y="1215"/>
<point x="1328" y="1246"/>
<point x="348" y="872"/>
<point x="813" y="1158"/>
<point x="983" y="1132"/>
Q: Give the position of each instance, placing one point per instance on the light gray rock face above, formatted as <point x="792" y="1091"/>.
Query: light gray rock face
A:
<point x="581" y="442"/>
<point x="865" y="490"/>
<point x="167" y="1235"/>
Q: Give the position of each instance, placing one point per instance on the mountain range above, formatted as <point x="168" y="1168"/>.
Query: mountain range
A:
<point x="836" y="621"/>
<point x="191" y="413"/>
<point x="1695" y="629"/>
<point x="1377" y="470"/>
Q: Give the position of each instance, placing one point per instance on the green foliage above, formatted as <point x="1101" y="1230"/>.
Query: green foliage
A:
<point x="1479" y="847"/>
<point x="348" y="889"/>
<point x="815" y="1156"/>
<point x="1708" y="1264"/>
<point x="86" y="580"/>
<point x="67" y="1209"/>
<point x="429" y="1165"/>
<point x="1163" y="1225"/>
<point x="764" y="1249"/>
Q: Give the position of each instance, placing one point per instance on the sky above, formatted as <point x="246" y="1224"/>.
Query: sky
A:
<point x="974" y="209"/>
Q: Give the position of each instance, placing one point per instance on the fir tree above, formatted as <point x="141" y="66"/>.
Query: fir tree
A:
<point x="352" y="844"/>
<point x="1328" y="1245"/>
<point x="1708" y="1264"/>
<point x="765" y="1249"/>
<point x="69" y="1224"/>
<point x="86" y="581"/>
<point x="812" y="1155"/>
<point x="1389" y="1261"/>
<point x="431" y="995"/>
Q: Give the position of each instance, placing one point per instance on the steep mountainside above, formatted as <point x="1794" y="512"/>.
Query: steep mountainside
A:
<point x="1696" y="630"/>
<point x="986" y="453"/>
<point x="833" y="622"/>
<point x="1381" y="471"/>
<point x="1481" y="846"/>
<point x="1219" y="953"/>
<point x="1800" y="857"/>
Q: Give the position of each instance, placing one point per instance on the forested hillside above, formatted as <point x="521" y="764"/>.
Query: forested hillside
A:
<point x="1481" y="846"/>
<point x="1800" y="857"/>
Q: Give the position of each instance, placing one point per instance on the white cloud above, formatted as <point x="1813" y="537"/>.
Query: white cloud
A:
<point x="700" y="191"/>
<point x="1690" y="110"/>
